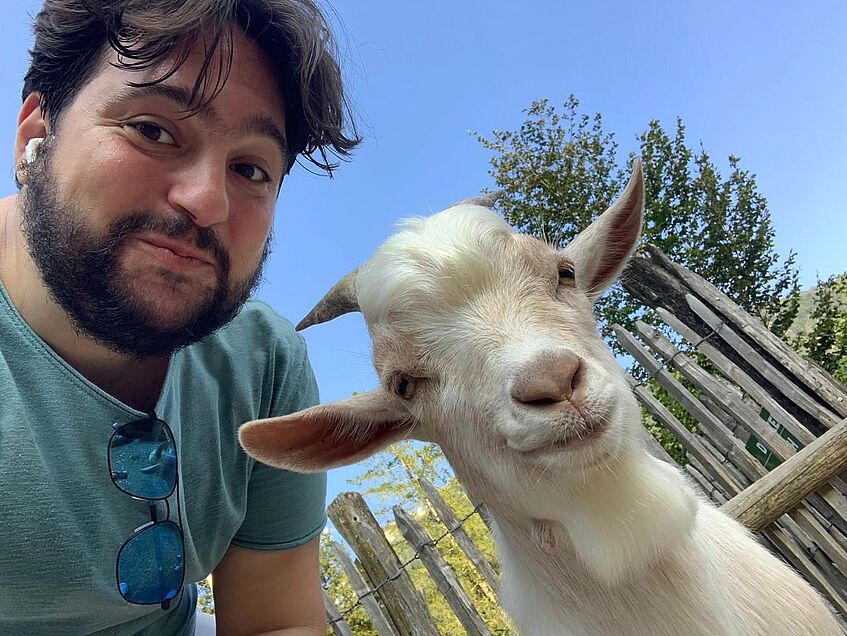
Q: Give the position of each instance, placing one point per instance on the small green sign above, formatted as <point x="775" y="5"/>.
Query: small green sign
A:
<point x="760" y="452"/>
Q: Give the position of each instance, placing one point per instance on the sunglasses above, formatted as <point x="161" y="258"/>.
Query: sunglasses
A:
<point x="143" y="464"/>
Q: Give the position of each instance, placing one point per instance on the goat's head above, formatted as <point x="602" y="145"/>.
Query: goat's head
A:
<point x="484" y="342"/>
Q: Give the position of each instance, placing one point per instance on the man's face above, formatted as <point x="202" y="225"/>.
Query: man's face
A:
<point x="149" y="227"/>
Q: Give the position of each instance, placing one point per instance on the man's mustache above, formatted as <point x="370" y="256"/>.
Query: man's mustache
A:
<point x="176" y="226"/>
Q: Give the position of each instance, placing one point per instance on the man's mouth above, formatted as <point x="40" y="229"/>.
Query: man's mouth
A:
<point x="175" y="252"/>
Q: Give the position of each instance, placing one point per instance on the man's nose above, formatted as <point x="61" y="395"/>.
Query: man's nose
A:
<point x="201" y="191"/>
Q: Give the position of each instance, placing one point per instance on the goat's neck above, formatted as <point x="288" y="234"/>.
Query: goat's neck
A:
<point x="616" y="523"/>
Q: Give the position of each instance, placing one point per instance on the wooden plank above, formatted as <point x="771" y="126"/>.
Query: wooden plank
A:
<point x="821" y="502"/>
<point x="821" y="537"/>
<point x="381" y="623"/>
<point x="710" y="425"/>
<point x="697" y="454"/>
<point x="706" y="485"/>
<point x="801" y="553"/>
<point x="737" y="375"/>
<point x="737" y="409"/>
<point x="652" y="279"/>
<point x="403" y="603"/>
<point x="730" y="485"/>
<point x="654" y="447"/>
<point x="333" y="618"/>
<point x="689" y="441"/>
<point x="752" y="423"/>
<point x="441" y="572"/>
<point x="768" y="371"/>
<point x="463" y="540"/>
<point x="801" y="562"/>
<point x="833" y="498"/>
<point x="727" y="464"/>
<point x="832" y="393"/>
<point x="482" y="511"/>
<point x="787" y="484"/>
<point x="740" y="412"/>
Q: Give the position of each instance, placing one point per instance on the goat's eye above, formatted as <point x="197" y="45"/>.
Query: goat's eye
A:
<point x="566" y="275"/>
<point x="403" y="385"/>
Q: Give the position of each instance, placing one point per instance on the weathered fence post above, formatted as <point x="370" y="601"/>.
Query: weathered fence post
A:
<point x="765" y="368"/>
<point x="356" y="523"/>
<point x="334" y="619"/>
<point x="652" y="279"/>
<point x="381" y="623"/>
<point x="443" y="575"/>
<point x="448" y="518"/>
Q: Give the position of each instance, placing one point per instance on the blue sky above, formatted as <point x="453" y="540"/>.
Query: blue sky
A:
<point x="762" y="80"/>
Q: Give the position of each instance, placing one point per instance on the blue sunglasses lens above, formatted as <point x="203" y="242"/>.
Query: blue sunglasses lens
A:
<point x="142" y="459"/>
<point x="143" y="577"/>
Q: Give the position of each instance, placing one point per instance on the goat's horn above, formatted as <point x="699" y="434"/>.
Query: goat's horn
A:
<point x="339" y="300"/>
<point x="485" y="200"/>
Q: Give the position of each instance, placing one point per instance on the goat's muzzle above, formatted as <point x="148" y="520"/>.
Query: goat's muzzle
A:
<point x="550" y="378"/>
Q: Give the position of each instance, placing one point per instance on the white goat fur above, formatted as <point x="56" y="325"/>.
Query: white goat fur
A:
<point x="464" y="308"/>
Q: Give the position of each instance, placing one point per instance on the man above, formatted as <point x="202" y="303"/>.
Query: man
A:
<point x="150" y="150"/>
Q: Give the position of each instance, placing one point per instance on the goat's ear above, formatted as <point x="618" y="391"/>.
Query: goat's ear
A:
<point x="601" y="251"/>
<point x="328" y="435"/>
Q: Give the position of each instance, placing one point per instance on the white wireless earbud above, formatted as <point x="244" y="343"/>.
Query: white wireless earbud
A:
<point x="32" y="149"/>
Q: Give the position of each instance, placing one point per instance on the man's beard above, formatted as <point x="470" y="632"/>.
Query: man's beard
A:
<point x="82" y="272"/>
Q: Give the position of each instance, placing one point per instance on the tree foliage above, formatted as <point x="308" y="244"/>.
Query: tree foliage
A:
<point x="560" y="169"/>
<point x="825" y="339"/>
<point x="392" y="474"/>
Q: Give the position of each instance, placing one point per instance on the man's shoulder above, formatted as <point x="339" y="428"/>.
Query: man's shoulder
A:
<point x="258" y="357"/>
<point x="255" y="341"/>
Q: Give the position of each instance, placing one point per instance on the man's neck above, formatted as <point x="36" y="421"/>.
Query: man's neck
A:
<point x="136" y="382"/>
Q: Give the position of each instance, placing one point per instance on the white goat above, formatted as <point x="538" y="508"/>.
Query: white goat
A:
<point x="485" y="343"/>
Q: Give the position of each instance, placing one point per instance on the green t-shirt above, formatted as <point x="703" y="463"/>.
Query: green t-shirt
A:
<point x="62" y="520"/>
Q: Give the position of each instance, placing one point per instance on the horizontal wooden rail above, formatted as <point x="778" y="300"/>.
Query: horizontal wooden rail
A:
<point x="788" y="484"/>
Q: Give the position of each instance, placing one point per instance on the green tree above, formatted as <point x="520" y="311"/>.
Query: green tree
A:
<point x="825" y="340"/>
<point x="560" y="169"/>
<point x="392" y="474"/>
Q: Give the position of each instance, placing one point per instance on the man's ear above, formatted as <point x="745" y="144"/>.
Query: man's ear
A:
<point x="328" y="435"/>
<point x="600" y="252"/>
<point x="31" y="125"/>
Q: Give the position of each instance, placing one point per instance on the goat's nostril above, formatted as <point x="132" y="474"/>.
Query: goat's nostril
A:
<point x="575" y="379"/>
<point x="542" y="391"/>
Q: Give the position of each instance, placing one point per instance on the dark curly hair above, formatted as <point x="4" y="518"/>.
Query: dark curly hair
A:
<point x="72" y="37"/>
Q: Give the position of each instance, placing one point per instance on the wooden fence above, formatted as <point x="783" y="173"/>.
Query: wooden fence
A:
<point x="769" y="445"/>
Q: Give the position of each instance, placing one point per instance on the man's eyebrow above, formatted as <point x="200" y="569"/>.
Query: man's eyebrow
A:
<point x="180" y="95"/>
<point x="264" y="126"/>
<point x="260" y="125"/>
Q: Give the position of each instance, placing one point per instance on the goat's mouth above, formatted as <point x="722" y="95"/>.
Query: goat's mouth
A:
<point x="579" y="434"/>
<point x="567" y="436"/>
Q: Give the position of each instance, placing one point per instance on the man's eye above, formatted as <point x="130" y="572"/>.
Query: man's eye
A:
<point x="155" y="133"/>
<point x="252" y="172"/>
